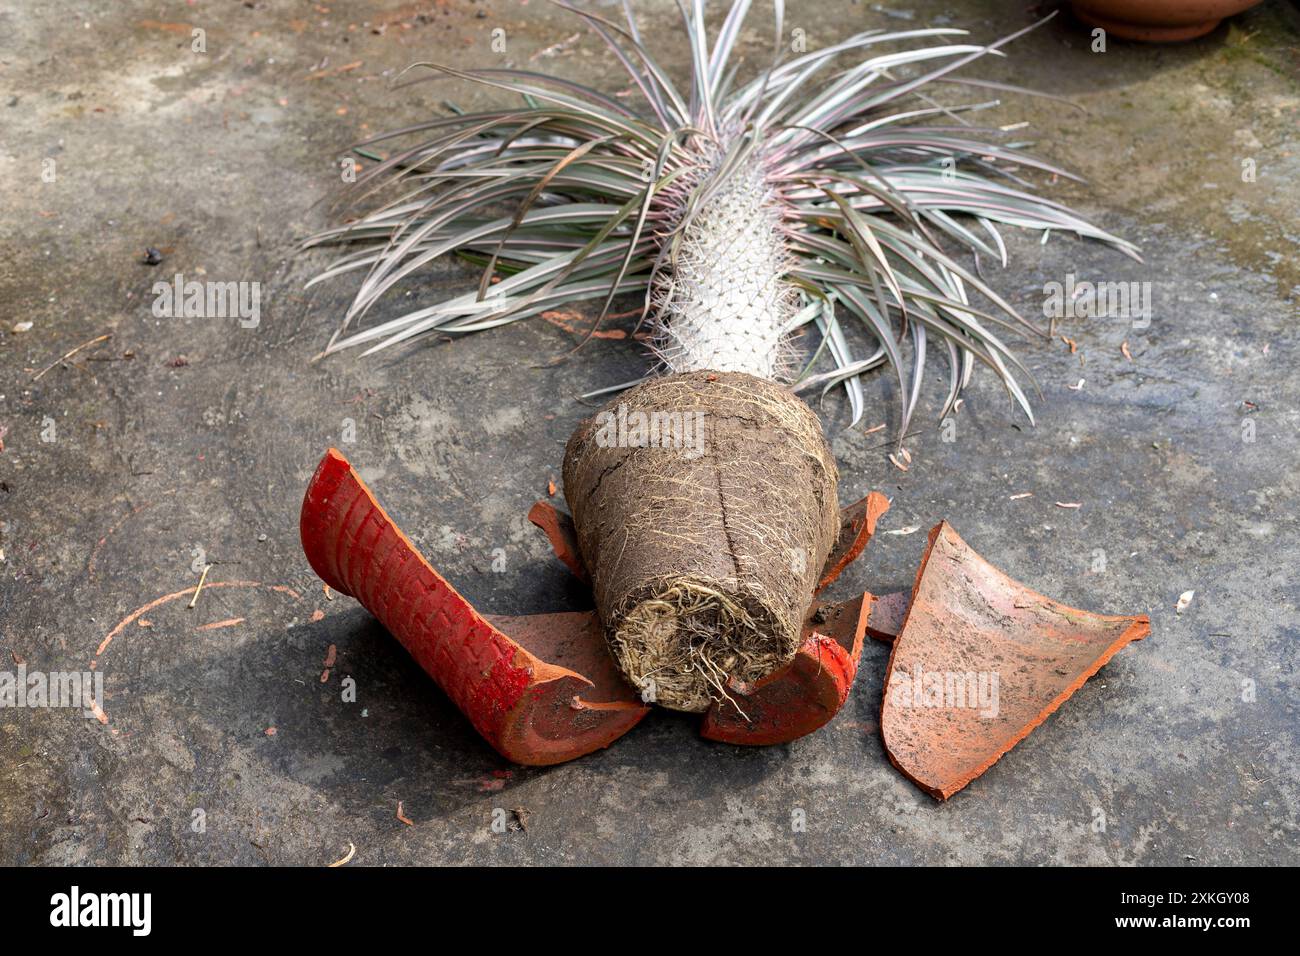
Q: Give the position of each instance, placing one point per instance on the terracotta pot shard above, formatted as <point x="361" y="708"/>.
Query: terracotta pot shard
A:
<point x="979" y="662"/>
<point x="539" y="688"/>
<point x="805" y="694"/>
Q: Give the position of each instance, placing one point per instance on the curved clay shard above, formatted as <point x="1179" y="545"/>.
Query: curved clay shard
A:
<point x="887" y="614"/>
<point x="980" y="662"/>
<point x="563" y="536"/>
<point x="805" y="694"/>
<point x="857" y="525"/>
<point x="540" y="688"/>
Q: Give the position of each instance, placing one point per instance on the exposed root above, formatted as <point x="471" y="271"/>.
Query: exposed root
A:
<point x="688" y="639"/>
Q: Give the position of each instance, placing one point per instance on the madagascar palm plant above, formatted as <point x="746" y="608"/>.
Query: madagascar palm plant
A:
<point x="830" y="189"/>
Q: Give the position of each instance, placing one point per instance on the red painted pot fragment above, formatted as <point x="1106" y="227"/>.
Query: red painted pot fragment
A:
<point x="887" y="614"/>
<point x="532" y="710"/>
<point x="857" y="525"/>
<point x="980" y="662"/>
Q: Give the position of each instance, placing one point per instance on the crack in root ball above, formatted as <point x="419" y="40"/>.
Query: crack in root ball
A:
<point x="688" y="639"/>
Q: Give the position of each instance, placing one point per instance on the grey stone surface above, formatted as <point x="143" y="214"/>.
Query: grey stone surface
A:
<point x="216" y="159"/>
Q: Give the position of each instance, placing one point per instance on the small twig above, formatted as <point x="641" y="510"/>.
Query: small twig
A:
<point x="352" y="851"/>
<point x="195" y="600"/>
<point x="68" y="355"/>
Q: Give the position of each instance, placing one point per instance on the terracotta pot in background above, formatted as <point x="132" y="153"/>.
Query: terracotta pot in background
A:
<point x="1158" y="21"/>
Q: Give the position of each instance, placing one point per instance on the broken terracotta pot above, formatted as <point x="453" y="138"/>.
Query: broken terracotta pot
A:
<point x="559" y="530"/>
<point x="543" y="689"/>
<point x="979" y="662"/>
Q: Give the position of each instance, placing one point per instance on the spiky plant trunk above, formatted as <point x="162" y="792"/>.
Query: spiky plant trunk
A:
<point x="723" y="302"/>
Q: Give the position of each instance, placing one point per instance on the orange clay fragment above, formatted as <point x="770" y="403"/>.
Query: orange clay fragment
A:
<point x="558" y="528"/>
<point x="805" y="694"/>
<point x="979" y="662"/>
<point x="857" y="525"/>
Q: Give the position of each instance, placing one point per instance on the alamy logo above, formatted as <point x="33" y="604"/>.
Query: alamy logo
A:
<point x="635" y="428"/>
<point x="180" y="299"/>
<point x="103" y="909"/>
<point x="959" y="689"/>
<point x="1098" y="300"/>
<point x="84" y="689"/>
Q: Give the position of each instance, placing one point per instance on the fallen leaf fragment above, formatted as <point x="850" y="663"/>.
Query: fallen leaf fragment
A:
<point x="568" y="321"/>
<point x="1076" y="388"/>
<point x="1124" y="350"/>
<point x="67" y="355"/>
<point x="550" y="488"/>
<point x="331" y="655"/>
<point x="402" y="816"/>
<point x="1184" y="600"/>
<point x="138" y="613"/>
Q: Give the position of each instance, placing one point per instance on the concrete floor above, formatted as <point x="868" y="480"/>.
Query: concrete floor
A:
<point x="158" y="463"/>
